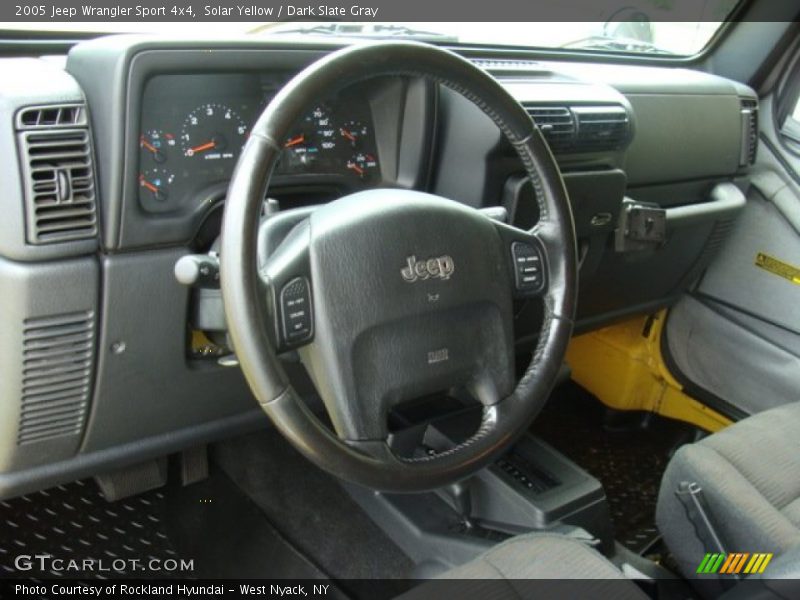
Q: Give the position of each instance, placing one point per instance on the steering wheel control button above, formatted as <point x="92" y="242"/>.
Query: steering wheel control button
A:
<point x="296" y="310"/>
<point x="527" y="267"/>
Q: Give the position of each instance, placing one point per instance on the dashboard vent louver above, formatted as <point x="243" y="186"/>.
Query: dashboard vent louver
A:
<point x="749" y="113"/>
<point x="576" y="129"/>
<point x="58" y="353"/>
<point x="59" y="185"/>
<point x="68" y="115"/>
<point x="557" y="125"/>
<point x="601" y="127"/>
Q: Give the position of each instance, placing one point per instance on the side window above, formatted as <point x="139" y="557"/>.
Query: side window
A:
<point x="790" y="129"/>
<point x="787" y="108"/>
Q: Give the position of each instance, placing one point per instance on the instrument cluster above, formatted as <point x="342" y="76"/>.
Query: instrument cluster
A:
<point x="193" y="129"/>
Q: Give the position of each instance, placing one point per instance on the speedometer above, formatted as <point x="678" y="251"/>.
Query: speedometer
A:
<point x="213" y="132"/>
<point x="322" y="124"/>
<point x="314" y="139"/>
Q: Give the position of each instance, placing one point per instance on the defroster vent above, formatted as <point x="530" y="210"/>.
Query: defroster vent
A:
<point x="67" y="115"/>
<point x="58" y="353"/>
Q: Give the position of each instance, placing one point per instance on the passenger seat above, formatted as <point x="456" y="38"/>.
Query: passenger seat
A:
<point x="749" y="480"/>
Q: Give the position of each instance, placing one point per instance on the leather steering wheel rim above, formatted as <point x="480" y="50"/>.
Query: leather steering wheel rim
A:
<point x="374" y="465"/>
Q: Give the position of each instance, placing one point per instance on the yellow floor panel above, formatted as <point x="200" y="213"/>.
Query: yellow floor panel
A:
<point x="622" y="365"/>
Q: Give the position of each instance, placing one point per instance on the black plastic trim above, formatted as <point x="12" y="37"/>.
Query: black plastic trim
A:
<point x="87" y="465"/>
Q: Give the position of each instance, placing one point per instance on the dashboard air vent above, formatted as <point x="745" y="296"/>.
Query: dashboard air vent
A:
<point x="576" y="129"/>
<point x="556" y="123"/>
<point x="59" y="185"/>
<point x="58" y="354"/>
<point x="749" y="112"/>
<point x="68" y="115"/>
<point x="601" y="127"/>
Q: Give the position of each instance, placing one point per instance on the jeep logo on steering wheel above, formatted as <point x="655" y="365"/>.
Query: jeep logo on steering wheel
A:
<point x="441" y="267"/>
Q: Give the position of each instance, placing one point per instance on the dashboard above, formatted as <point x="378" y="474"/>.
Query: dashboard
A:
<point x="154" y="127"/>
<point x="193" y="128"/>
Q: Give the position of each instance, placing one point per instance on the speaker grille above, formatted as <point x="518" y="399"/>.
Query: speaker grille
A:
<point x="58" y="353"/>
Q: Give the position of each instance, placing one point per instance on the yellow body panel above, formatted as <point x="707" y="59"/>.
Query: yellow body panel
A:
<point x="622" y="365"/>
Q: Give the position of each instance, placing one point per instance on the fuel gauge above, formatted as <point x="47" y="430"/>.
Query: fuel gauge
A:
<point x="157" y="144"/>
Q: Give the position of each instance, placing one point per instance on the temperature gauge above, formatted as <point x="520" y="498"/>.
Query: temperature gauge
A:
<point x="155" y="183"/>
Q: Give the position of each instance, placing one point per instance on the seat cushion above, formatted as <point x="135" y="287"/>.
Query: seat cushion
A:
<point x="750" y="476"/>
<point x="515" y="569"/>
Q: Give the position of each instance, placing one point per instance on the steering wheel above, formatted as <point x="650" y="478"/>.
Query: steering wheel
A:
<point x="389" y="295"/>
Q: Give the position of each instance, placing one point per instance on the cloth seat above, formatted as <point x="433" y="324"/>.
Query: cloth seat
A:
<point x="750" y="477"/>
<point x="517" y="567"/>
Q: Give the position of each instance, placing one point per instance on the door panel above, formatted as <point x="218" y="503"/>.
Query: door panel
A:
<point x="736" y="335"/>
<point x="736" y="280"/>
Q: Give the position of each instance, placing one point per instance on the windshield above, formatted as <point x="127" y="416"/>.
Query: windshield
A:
<point x="638" y="26"/>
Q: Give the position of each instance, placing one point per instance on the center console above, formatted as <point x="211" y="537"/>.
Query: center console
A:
<point x="531" y="488"/>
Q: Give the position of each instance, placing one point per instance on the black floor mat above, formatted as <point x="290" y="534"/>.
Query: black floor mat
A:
<point x="210" y="523"/>
<point x="229" y="536"/>
<point x="74" y="522"/>
<point x="310" y="508"/>
<point x="628" y="460"/>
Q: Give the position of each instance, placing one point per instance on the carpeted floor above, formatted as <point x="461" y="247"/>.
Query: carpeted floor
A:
<point x="311" y="509"/>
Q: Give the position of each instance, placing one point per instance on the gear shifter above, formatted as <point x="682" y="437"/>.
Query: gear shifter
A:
<point x="461" y="496"/>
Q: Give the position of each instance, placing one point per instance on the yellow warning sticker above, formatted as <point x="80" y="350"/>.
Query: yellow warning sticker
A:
<point x="778" y="267"/>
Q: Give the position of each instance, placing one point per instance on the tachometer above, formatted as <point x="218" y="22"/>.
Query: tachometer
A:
<point x="213" y="132"/>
